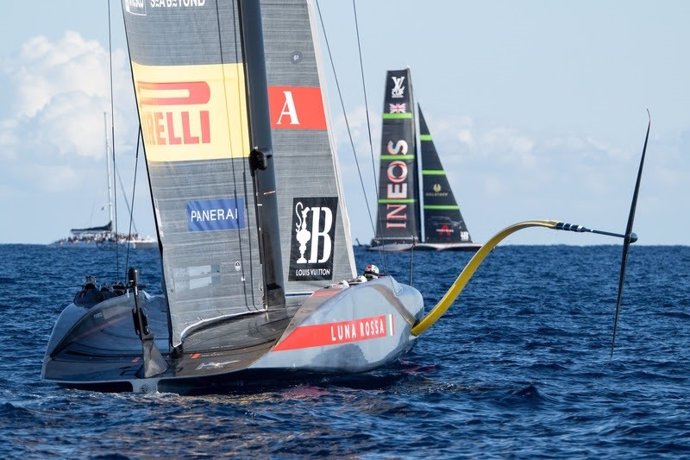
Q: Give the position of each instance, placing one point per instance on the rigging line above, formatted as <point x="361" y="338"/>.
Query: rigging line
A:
<point x="249" y="233"/>
<point x="239" y="76"/>
<point x="112" y="135"/>
<point x="235" y="21"/>
<point x="377" y="228"/>
<point x="366" y="101"/>
<point x="134" y="190"/>
<point x="127" y="202"/>
<point x="107" y="169"/>
<point x="242" y="88"/>
<point x="412" y="262"/>
<point x="347" y="121"/>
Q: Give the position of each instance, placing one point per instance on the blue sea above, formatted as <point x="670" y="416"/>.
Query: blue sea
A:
<point x="520" y="367"/>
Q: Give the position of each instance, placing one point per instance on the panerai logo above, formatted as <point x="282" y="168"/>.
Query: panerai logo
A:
<point x="398" y="88"/>
<point x="313" y="238"/>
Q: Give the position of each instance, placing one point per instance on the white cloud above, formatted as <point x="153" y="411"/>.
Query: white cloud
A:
<point x="8" y="139"/>
<point x="465" y="136"/>
<point x="53" y="178"/>
<point x="61" y="90"/>
<point x="46" y="70"/>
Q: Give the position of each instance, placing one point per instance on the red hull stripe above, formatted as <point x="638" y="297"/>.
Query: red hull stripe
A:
<point x="325" y="292"/>
<point x="319" y="335"/>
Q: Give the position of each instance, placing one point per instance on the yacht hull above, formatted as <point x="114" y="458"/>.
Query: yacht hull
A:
<point x="402" y="247"/>
<point x="338" y="331"/>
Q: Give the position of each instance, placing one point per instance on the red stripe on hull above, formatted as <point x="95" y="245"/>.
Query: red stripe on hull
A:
<point x="319" y="335"/>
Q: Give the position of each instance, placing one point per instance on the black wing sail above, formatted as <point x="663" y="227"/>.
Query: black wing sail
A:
<point x="443" y="222"/>
<point x="398" y="219"/>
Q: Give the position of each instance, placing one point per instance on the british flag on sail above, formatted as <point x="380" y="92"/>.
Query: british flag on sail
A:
<point x="397" y="108"/>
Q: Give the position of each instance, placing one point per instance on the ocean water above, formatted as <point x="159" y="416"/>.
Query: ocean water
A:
<point x="520" y="367"/>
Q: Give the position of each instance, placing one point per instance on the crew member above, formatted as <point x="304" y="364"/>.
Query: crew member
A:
<point x="371" y="272"/>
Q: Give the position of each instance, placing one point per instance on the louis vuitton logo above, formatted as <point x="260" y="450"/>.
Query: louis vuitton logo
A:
<point x="398" y="90"/>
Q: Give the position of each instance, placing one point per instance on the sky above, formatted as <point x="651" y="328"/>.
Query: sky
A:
<point x="538" y="109"/>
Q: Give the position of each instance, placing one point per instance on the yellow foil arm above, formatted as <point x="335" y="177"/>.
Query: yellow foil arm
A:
<point x="464" y="277"/>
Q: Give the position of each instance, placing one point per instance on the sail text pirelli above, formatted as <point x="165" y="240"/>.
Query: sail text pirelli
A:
<point x="189" y="125"/>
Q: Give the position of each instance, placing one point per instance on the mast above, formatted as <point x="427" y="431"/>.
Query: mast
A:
<point x="419" y="162"/>
<point x="107" y="169"/>
<point x="261" y="158"/>
<point x="112" y="186"/>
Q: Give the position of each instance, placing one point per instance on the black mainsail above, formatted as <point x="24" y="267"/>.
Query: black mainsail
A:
<point x="443" y="222"/>
<point x="410" y="216"/>
<point x="398" y="217"/>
